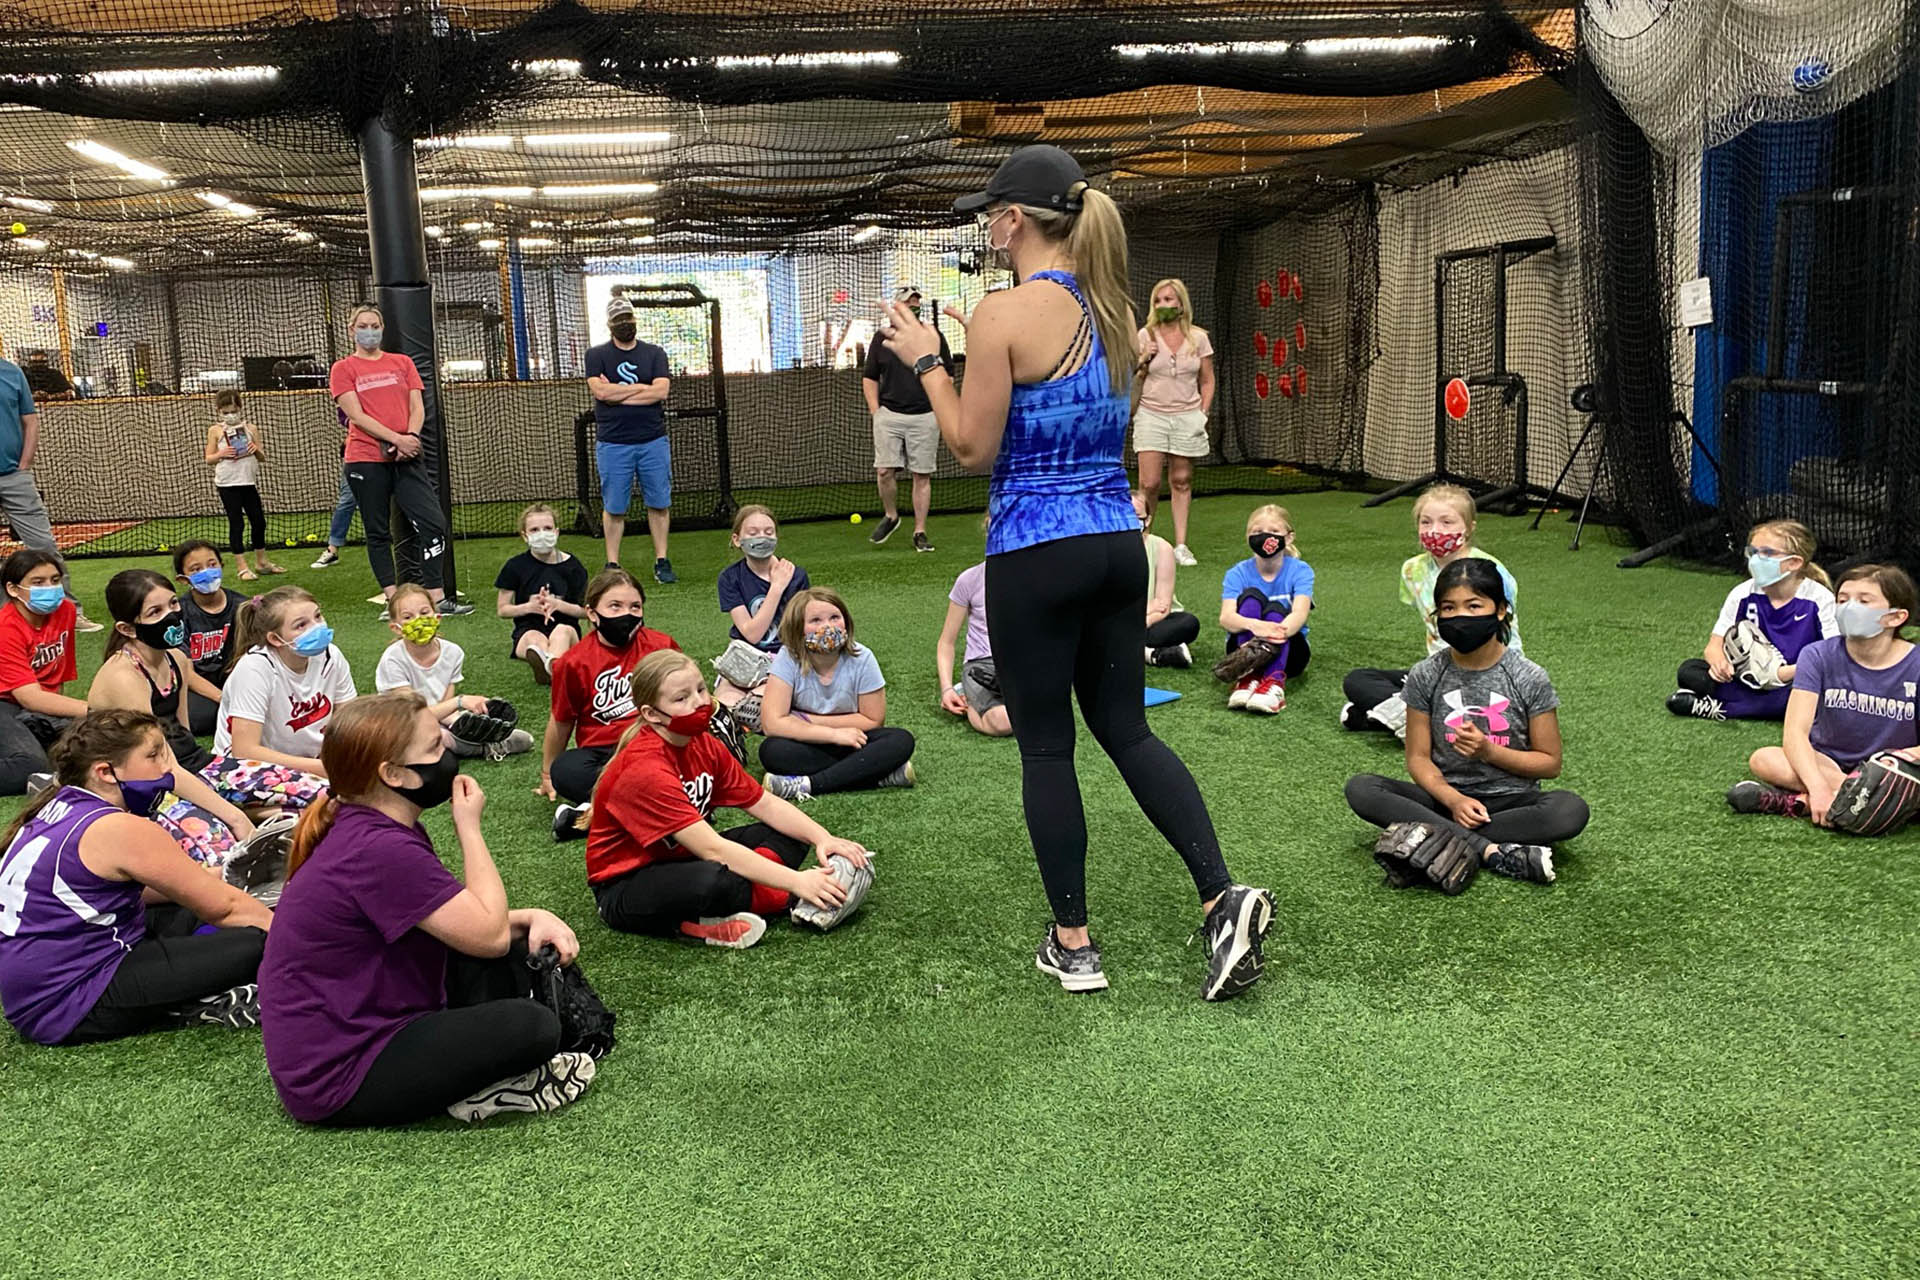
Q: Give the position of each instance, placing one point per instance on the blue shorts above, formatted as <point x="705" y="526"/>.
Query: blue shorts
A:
<point x="621" y="464"/>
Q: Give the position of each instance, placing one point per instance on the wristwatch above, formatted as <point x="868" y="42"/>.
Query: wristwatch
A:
<point x="925" y="365"/>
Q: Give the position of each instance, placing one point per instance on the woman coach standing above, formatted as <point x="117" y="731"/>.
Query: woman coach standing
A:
<point x="1046" y="404"/>
<point x="1175" y="394"/>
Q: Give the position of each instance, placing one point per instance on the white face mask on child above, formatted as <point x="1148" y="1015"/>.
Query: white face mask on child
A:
<point x="231" y="419"/>
<point x="544" y="539"/>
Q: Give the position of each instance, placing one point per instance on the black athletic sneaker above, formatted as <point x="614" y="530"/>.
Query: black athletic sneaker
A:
<point x="920" y="542"/>
<point x="236" y="1008"/>
<point x="558" y="1081"/>
<point x="724" y="727"/>
<point x="663" y="572"/>
<point x="1078" y="968"/>
<point x="883" y="530"/>
<point x="453" y="608"/>
<point x="570" y="822"/>
<point x="1685" y="702"/>
<point x="1234" y="929"/>
<point x="1178" y="656"/>
<point x="1757" y="797"/>
<point x="1532" y="862"/>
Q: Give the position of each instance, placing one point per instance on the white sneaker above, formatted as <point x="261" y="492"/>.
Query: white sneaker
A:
<point x="548" y="1087"/>
<point x="1346" y="709"/>
<point x="1237" y="700"/>
<point x="1182" y="556"/>
<point x="1269" y="697"/>
<point x="512" y="745"/>
<point x="1391" y="714"/>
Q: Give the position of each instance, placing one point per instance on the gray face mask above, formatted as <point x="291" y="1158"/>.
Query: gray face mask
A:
<point x="759" y="546"/>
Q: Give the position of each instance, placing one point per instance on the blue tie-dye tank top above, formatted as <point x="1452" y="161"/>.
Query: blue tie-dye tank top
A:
<point x="1059" y="473"/>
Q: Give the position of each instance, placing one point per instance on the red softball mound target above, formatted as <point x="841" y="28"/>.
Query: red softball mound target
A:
<point x="1264" y="293"/>
<point x="1261" y="387"/>
<point x="1458" y="399"/>
<point x="1260" y="345"/>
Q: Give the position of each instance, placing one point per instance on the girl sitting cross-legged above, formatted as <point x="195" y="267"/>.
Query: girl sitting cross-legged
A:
<point x="825" y="708"/>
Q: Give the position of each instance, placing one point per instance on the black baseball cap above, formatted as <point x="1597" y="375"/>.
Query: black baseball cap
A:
<point x="1042" y="176"/>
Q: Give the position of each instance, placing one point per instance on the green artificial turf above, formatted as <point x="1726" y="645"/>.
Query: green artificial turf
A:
<point x="1694" y="1055"/>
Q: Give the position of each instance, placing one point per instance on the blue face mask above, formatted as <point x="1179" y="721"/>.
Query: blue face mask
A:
<point x="206" y="582"/>
<point x="1766" y="570"/>
<point x="367" y="338"/>
<point x="313" y="642"/>
<point x="1858" y="620"/>
<point x="45" y="599"/>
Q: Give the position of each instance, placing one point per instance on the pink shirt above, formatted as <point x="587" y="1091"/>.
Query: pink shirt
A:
<point x="1173" y="379"/>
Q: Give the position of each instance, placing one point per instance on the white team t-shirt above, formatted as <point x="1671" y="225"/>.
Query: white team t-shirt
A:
<point x="398" y="670"/>
<point x="293" y="707"/>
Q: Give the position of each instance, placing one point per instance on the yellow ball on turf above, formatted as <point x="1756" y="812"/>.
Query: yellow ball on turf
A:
<point x="854" y="518"/>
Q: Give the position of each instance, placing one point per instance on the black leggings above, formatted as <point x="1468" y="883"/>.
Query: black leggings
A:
<point x="1176" y="628"/>
<point x="1068" y="618"/>
<point x="167" y="972"/>
<point x="1525" y="817"/>
<point x="202" y="714"/>
<point x="1366" y="688"/>
<point x="491" y="1030"/>
<point x="836" y="768"/>
<point x="379" y="486"/>
<point x="24" y="739"/>
<point x="242" y="502"/>
<point x="575" y="772"/>
<point x="660" y="896"/>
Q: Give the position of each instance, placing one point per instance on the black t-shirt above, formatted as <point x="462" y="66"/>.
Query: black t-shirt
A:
<point x="900" y="390"/>
<point x="643" y="364"/>
<point x="209" y="636"/>
<point x="525" y="574"/>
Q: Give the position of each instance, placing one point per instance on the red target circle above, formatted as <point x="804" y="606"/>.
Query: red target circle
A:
<point x="1458" y="400"/>
<point x="1300" y="382"/>
<point x="1261" y="387"/>
<point x="1260" y="345"/>
<point x="1264" y="293"/>
<point x="1280" y="350"/>
<point x="1286" y="385"/>
<point x="1299" y="335"/>
<point x="1299" y="289"/>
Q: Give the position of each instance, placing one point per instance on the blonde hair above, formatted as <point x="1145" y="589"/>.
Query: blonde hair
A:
<point x="537" y="509"/>
<point x="1796" y="540"/>
<point x="1179" y="288"/>
<point x="353" y="316"/>
<point x="747" y="513"/>
<point x="1096" y="239"/>
<point x="406" y="591"/>
<point x="648" y="675"/>
<point x="1279" y="513"/>
<point x="262" y="614"/>
<point x="1454" y="496"/>
<point x="793" y="625"/>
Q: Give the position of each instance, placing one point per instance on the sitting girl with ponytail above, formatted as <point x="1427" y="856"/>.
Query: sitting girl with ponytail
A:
<point x="82" y="957"/>
<point x="392" y="991"/>
<point x="285" y="683"/>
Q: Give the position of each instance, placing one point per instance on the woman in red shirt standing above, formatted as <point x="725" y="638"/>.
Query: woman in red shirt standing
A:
<point x="36" y="661"/>
<point x="381" y="396"/>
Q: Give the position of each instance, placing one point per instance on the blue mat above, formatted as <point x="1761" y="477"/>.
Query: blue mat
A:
<point x="1157" y="696"/>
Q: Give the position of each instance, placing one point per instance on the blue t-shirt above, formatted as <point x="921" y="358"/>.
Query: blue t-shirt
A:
<point x="1295" y="578"/>
<point x="1059" y="472"/>
<point x="740" y="585"/>
<point x="628" y="423"/>
<point x="16" y="402"/>
<point x="857" y="673"/>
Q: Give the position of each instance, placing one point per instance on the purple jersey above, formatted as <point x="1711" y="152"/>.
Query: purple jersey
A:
<point x="63" y="929"/>
<point x="1861" y="710"/>
<point x="1807" y="616"/>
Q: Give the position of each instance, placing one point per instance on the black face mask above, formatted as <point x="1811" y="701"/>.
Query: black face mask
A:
<point x="165" y="633"/>
<point x="1469" y="634"/>
<point x="1266" y="544"/>
<point x="623" y="332"/>
<point x="436" y="781"/>
<point x="619" y="630"/>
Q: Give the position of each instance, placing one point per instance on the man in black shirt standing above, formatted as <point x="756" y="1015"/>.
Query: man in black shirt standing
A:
<point x="905" y="433"/>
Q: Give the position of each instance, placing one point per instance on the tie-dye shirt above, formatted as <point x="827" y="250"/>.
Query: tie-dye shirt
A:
<point x="1059" y="473"/>
<point x="1502" y="700"/>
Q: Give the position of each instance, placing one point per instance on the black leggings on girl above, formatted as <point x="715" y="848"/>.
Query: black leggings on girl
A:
<point x="658" y="897"/>
<point x="168" y="972"/>
<point x="1525" y="817"/>
<point x="836" y="768"/>
<point x="1366" y="688"/>
<point x="242" y="502"/>
<point x="574" y="772"/>
<point x="1175" y="628"/>
<point x="24" y="738"/>
<point x="491" y="1030"/>
<point x="1068" y="618"/>
<point x="380" y="486"/>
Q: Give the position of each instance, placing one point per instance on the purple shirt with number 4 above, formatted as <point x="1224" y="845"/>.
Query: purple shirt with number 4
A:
<point x="1861" y="710"/>
<point x="347" y="965"/>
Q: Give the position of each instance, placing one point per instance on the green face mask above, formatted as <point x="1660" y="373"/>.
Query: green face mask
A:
<point x="1166" y="315"/>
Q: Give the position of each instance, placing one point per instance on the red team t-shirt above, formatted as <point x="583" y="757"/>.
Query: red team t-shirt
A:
<point x="382" y="385"/>
<point x="593" y="686"/>
<point x="40" y="655"/>
<point x="653" y="789"/>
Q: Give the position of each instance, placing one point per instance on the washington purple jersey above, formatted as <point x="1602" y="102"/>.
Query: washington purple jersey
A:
<point x="1806" y="617"/>
<point x="63" y="929"/>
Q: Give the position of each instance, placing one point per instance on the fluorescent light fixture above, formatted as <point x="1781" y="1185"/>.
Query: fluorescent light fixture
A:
<point x="487" y="244"/>
<point x="639" y="239"/>
<point x="865" y="234"/>
<point x="476" y="226"/>
<point x="784" y="61"/>
<point x="475" y="193"/>
<point x="81" y="253"/>
<point x="27" y="202"/>
<point x="305" y="237"/>
<point x="102" y="154"/>
<point x="465" y="366"/>
<point x="118" y="264"/>
<point x="227" y="204"/>
<point x="434" y="233"/>
<point x="614" y="138"/>
<point x="556" y="67"/>
<point x="1327" y="45"/>
<point x="566" y="190"/>
<point x="29" y="243"/>
<point x="1211" y="49"/>
<point x="636" y="222"/>
<point x="220" y="378"/>
<point x="475" y="141"/>
<point x="174" y="77"/>
<point x="535" y="242"/>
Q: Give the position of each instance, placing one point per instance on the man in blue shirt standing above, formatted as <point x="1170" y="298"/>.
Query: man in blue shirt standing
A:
<point x="628" y="379"/>
<point x="19" y="496"/>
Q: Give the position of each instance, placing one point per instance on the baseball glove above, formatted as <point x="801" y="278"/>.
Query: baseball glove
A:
<point x="1426" y="853"/>
<point x="495" y="725"/>
<point x="1755" y="662"/>
<point x="1254" y="655"/>
<point x="1879" y="797"/>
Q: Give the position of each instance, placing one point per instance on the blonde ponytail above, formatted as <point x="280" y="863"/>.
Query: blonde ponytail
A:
<point x="1096" y="240"/>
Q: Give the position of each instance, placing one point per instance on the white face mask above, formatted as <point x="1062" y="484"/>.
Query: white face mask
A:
<point x="231" y="419"/>
<point x="544" y="539"/>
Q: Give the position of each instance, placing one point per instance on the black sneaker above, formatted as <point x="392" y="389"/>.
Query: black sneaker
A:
<point x="724" y="727"/>
<point x="328" y="558"/>
<point x="1532" y="862"/>
<point x="883" y="530"/>
<point x="663" y="572"/>
<point x="1078" y="968"/>
<point x="570" y="822"/>
<point x="237" y="1008"/>
<point x="1178" y="656"/>
<point x="1685" y="702"/>
<point x="920" y="542"/>
<point x="611" y="564"/>
<point x="1757" y="797"/>
<point x="451" y="607"/>
<point x="558" y="1081"/>
<point x="1234" y="929"/>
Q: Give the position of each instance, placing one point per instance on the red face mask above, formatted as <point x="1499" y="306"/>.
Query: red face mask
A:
<point x="693" y="723"/>
<point x="1442" y="544"/>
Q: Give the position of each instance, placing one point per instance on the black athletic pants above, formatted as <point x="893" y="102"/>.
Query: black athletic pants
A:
<point x="380" y="486"/>
<point x="202" y="714"/>
<point x="836" y="768"/>
<point x="491" y="1030"/>
<point x="1366" y="688"/>
<point x="658" y="897"/>
<point x="575" y="772"/>
<point x="167" y="972"/>
<point x="1068" y="618"/>
<point x="24" y="739"/>
<point x="1175" y="628"/>
<point x="242" y="502"/>
<point x="1526" y="817"/>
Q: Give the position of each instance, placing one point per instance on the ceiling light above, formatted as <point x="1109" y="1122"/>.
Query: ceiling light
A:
<point x="81" y="253"/>
<point x="476" y="226"/>
<point x="847" y="58"/>
<point x="477" y="141"/>
<point x="305" y="237"/>
<point x="1208" y="50"/>
<point x="170" y="77"/>
<point x="227" y="204"/>
<point x="534" y="242"/>
<point x="106" y="155"/>
<point x="435" y="233"/>
<point x="640" y="240"/>
<point x="636" y="222"/>
<point x="475" y="193"/>
<point x="558" y="67"/>
<point x="568" y="189"/>
<point x="616" y="138"/>
<point x="1376" y="44"/>
<point x="865" y="234"/>
<point x="487" y="244"/>
<point x="27" y="202"/>
<point x="118" y="264"/>
<point x="28" y="243"/>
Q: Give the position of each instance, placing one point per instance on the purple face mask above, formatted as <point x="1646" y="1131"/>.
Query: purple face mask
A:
<point x="143" y="795"/>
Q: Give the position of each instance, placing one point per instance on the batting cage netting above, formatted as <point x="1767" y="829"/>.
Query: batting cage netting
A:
<point x="1366" y="203"/>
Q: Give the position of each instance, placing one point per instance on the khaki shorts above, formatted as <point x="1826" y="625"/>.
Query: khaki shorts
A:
<point x="1182" y="434"/>
<point x="910" y="440"/>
